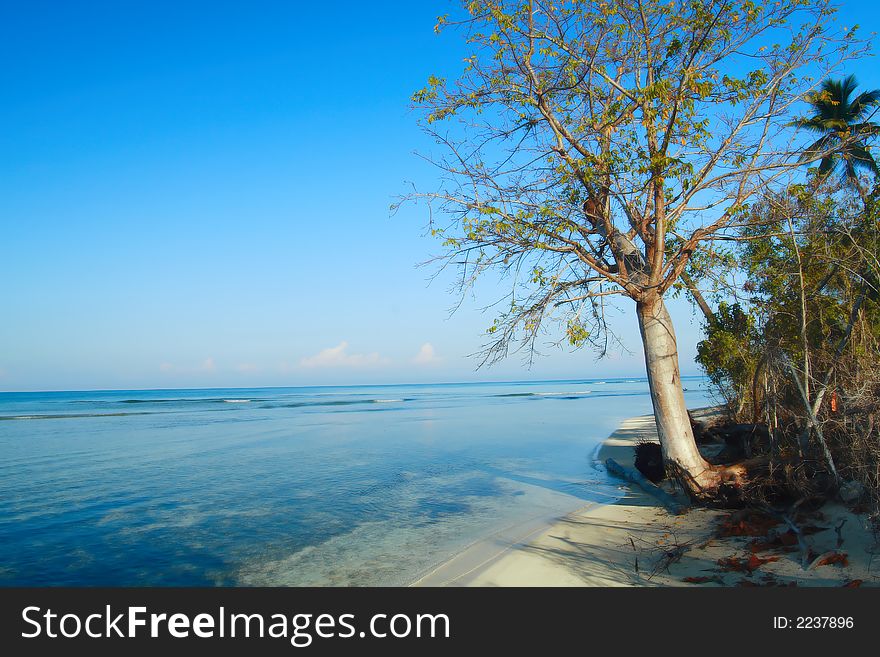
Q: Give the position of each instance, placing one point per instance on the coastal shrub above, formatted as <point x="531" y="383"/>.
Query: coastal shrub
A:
<point x="799" y="352"/>
<point x="729" y="355"/>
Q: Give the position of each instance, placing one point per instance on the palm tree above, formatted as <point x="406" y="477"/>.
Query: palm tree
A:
<point x="844" y="127"/>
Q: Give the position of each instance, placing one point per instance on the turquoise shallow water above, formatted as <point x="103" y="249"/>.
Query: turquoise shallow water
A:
<point x="368" y="485"/>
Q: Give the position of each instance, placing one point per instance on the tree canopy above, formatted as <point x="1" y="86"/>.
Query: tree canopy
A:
<point x="594" y="148"/>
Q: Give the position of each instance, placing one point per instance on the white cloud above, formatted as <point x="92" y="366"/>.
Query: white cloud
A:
<point x="338" y="356"/>
<point x="426" y="355"/>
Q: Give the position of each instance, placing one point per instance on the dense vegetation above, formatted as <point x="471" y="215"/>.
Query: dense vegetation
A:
<point x="795" y="345"/>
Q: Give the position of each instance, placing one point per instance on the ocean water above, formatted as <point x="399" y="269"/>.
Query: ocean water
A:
<point x="367" y="485"/>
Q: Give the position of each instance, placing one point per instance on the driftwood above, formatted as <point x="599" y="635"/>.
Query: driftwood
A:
<point x="801" y="540"/>
<point x="788" y="519"/>
<point x="637" y="478"/>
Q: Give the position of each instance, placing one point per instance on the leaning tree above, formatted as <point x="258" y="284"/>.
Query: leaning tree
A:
<point x="597" y="148"/>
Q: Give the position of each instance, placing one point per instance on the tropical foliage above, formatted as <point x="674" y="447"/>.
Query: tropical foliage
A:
<point x="800" y="351"/>
<point x="844" y="126"/>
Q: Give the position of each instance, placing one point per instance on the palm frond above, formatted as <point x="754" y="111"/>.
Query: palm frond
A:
<point x="813" y="124"/>
<point x="815" y="149"/>
<point x="869" y="129"/>
<point x="864" y="103"/>
<point x="849" y="175"/>
<point x="847" y="87"/>
<point x="827" y="165"/>
<point x="861" y="158"/>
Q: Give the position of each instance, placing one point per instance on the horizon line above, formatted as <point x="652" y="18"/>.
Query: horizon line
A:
<point x="356" y="385"/>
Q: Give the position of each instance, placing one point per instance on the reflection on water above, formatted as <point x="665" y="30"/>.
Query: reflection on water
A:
<point x="291" y="486"/>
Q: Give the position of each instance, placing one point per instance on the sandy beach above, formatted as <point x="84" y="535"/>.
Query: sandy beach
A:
<point x="634" y="541"/>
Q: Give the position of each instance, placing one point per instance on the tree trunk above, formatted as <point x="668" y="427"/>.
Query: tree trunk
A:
<point x="670" y="412"/>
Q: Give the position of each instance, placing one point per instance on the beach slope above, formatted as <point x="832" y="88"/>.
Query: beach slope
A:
<point x="636" y="542"/>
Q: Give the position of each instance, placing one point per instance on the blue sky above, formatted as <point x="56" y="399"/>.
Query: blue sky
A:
<point x="196" y="194"/>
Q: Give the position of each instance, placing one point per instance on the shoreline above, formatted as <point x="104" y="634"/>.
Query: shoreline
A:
<point x="479" y="563"/>
<point x="634" y="541"/>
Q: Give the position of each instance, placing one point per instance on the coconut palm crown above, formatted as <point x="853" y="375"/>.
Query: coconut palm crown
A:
<point x="844" y="126"/>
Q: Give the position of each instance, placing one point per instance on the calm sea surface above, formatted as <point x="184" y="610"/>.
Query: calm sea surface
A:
<point x="369" y="485"/>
